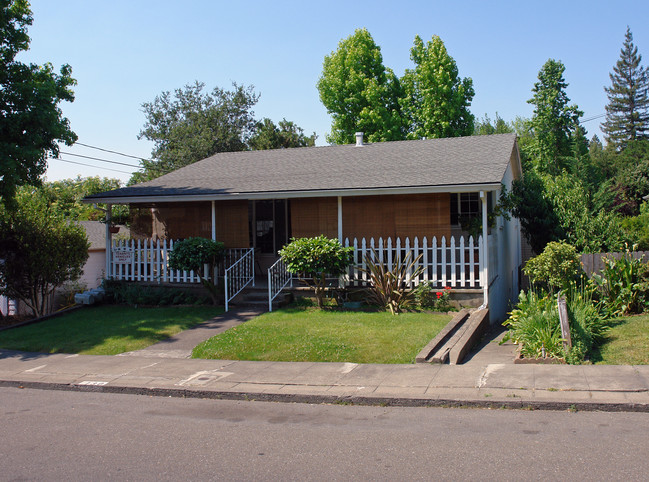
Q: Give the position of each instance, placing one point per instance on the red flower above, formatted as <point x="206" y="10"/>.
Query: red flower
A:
<point x="439" y="294"/>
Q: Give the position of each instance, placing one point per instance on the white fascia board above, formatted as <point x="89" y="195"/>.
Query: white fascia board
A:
<point x="298" y="194"/>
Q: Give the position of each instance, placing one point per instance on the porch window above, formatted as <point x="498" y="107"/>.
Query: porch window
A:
<point x="464" y="205"/>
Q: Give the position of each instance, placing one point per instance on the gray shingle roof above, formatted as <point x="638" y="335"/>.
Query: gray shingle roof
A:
<point x="96" y="232"/>
<point x="419" y="163"/>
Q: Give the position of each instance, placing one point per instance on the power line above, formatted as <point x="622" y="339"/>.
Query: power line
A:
<point x="98" y="159"/>
<point x="112" y="152"/>
<point x="90" y="165"/>
<point x="593" y="118"/>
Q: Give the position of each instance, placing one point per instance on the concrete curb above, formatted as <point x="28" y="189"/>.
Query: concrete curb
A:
<point x="335" y="399"/>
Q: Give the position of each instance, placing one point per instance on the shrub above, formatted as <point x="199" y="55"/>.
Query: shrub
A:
<point x="624" y="284"/>
<point x="429" y="297"/>
<point x="133" y="294"/>
<point x="556" y="268"/>
<point x="535" y="326"/>
<point x="312" y="259"/>
<point x="389" y="288"/>
<point x="192" y="254"/>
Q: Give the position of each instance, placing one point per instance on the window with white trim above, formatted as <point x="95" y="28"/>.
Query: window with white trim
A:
<point x="464" y="205"/>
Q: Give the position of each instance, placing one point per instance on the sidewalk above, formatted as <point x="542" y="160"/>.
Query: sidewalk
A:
<point x="561" y="387"/>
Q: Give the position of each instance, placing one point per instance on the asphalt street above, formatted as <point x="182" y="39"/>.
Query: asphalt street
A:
<point x="56" y="435"/>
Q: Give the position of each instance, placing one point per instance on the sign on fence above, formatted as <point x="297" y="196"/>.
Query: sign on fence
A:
<point x="123" y="257"/>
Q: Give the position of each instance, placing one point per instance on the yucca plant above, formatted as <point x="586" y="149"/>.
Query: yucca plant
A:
<point x="389" y="288"/>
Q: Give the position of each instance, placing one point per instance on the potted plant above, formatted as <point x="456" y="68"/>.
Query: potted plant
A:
<point x="120" y="217"/>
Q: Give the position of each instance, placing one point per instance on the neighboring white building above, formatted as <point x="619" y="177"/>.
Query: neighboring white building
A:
<point x="95" y="268"/>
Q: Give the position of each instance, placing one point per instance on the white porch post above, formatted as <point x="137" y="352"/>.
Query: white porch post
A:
<point x="213" y="221"/>
<point x="485" y="248"/>
<point x="109" y="247"/>
<point x="340" y="219"/>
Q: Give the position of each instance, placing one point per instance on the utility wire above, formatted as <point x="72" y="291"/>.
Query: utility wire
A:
<point x="90" y="165"/>
<point x="112" y="152"/>
<point x="98" y="159"/>
<point x="593" y="118"/>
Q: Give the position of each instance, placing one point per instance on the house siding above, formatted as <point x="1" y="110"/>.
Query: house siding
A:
<point x="314" y="216"/>
<point x="415" y="215"/>
<point x="186" y="220"/>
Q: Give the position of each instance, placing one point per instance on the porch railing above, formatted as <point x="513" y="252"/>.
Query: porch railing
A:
<point x="278" y="278"/>
<point x="239" y="275"/>
<point x="148" y="260"/>
<point x="454" y="263"/>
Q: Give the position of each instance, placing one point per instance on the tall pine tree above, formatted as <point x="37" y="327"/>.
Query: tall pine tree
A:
<point x="627" y="111"/>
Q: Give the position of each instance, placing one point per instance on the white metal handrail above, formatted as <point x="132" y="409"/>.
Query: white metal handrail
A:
<point x="278" y="278"/>
<point x="239" y="275"/>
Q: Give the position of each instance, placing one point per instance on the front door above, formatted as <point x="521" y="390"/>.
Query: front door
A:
<point x="269" y="229"/>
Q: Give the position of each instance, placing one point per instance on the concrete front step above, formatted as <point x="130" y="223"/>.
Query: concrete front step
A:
<point x="259" y="297"/>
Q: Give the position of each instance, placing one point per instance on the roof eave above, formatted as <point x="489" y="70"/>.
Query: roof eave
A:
<point x="489" y="186"/>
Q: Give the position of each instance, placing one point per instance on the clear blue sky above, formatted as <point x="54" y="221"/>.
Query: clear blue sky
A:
<point x="124" y="53"/>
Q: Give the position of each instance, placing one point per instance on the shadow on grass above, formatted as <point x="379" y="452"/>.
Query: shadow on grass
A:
<point x="595" y="354"/>
<point x="105" y="329"/>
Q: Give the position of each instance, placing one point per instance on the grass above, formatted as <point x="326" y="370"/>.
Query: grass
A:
<point x="105" y="330"/>
<point x="626" y="343"/>
<point x="296" y="334"/>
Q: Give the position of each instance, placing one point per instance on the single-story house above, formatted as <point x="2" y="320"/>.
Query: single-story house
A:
<point x="414" y="193"/>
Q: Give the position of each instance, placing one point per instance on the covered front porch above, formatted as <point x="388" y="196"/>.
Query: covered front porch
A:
<point x="254" y="230"/>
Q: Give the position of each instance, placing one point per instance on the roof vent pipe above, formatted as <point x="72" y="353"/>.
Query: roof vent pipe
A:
<point x="359" y="139"/>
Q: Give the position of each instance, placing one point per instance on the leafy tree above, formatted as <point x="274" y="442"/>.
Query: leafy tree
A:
<point x="360" y="93"/>
<point x="31" y="122"/>
<point x="586" y="229"/>
<point x="528" y="202"/>
<point x="66" y="195"/>
<point x="270" y="136"/>
<point x="41" y="250"/>
<point x="436" y="101"/>
<point x="627" y="111"/>
<point x="193" y="254"/>
<point x="554" y="121"/>
<point x="555" y="208"/>
<point x="485" y="126"/>
<point x="637" y="228"/>
<point x="316" y="258"/>
<point x="190" y="125"/>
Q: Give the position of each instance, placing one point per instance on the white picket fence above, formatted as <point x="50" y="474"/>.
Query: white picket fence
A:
<point x="148" y="260"/>
<point x="456" y="263"/>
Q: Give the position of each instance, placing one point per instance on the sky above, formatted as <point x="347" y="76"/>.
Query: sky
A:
<point x="125" y="53"/>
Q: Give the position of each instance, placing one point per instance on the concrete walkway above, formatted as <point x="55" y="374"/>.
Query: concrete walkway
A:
<point x="561" y="387"/>
<point x="182" y="344"/>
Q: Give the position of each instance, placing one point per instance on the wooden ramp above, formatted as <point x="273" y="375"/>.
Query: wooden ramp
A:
<point x="457" y="338"/>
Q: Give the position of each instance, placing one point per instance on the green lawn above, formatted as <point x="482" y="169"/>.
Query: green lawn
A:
<point x="627" y="343"/>
<point x="295" y="334"/>
<point x="105" y="330"/>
